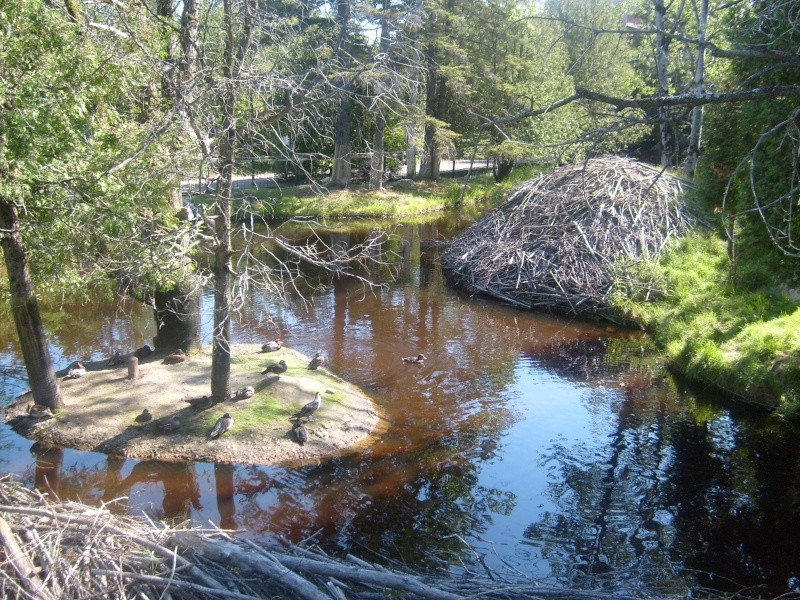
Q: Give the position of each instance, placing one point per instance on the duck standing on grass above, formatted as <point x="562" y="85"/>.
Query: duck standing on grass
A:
<point x="278" y="367"/>
<point x="223" y="424"/>
<point x="77" y="370"/>
<point x="307" y="411"/>
<point x="317" y="361"/>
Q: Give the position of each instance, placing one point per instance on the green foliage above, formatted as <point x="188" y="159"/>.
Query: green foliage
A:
<point x="70" y="119"/>
<point x="746" y="341"/>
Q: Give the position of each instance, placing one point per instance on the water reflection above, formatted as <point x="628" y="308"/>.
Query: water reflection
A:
<point x="524" y="444"/>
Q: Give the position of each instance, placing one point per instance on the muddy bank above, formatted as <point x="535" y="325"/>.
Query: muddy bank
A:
<point x="101" y="408"/>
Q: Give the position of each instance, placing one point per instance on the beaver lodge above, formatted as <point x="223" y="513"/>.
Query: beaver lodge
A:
<point x="563" y="241"/>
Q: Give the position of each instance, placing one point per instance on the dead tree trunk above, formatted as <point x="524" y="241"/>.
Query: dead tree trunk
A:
<point x="662" y="79"/>
<point x="25" y="309"/>
<point x="695" y="134"/>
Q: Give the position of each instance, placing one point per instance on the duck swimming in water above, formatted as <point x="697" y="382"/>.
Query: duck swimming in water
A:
<point x="415" y="360"/>
<point x="77" y="370"/>
<point x="223" y="424"/>
<point x="318" y="360"/>
<point x="272" y="346"/>
<point x="307" y="411"/>
<point x="278" y="367"/>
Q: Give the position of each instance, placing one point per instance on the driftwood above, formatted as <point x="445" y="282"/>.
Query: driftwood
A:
<point x="71" y="550"/>
<point x="563" y="241"/>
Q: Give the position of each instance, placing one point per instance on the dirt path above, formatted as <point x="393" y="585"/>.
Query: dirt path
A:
<point x="101" y="408"/>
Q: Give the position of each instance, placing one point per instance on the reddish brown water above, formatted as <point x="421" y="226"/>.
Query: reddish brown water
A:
<point x="528" y="445"/>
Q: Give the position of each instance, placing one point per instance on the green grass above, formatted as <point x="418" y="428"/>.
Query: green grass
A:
<point x="397" y="200"/>
<point x="740" y="338"/>
<point x="264" y="406"/>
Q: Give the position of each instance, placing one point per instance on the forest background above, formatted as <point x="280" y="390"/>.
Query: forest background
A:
<point x="107" y="106"/>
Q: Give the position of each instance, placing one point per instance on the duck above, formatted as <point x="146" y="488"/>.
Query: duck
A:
<point x="38" y="411"/>
<point x="299" y="433"/>
<point x="174" y="358"/>
<point x="415" y="360"/>
<point x="273" y="346"/>
<point x="223" y="424"/>
<point x="169" y="423"/>
<point x="143" y="352"/>
<point x="319" y="359"/>
<point x="116" y="359"/>
<point x="76" y="371"/>
<point x="247" y="391"/>
<point x="307" y="411"/>
<point x="201" y="403"/>
<point x="144" y="417"/>
<point x="278" y="367"/>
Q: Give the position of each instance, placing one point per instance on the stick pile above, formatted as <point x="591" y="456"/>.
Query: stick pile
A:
<point x="54" y="550"/>
<point x="562" y="240"/>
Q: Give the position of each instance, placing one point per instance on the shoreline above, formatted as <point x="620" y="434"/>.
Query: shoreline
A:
<point x="101" y="407"/>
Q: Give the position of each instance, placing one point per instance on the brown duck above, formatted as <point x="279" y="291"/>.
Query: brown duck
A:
<point x="201" y="403"/>
<point x="317" y="361"/>
<point x="246" y="392"/>
<point x="144" y="417"/>
<point x="278" y="367"/>
<point x="169" y="424"/>
<point x="174" y="358"/>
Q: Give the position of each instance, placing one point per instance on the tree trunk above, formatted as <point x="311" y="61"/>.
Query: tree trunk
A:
<point x="695" y="134"/>
<point x="25" y="308"/>
<point x="223" y="283"/>
<point x="177" y="314"/>
<point x="432" y="156"/>
<point x="662" y="79"/>
<point x="342" y="165"/>
<point x="378" y="158"/>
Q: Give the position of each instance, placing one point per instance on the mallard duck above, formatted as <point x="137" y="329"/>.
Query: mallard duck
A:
<point x="308" y="410"/>
<point x="37" y="411"/>
<point x="143" y="352"/>
<point x="299" y="433"/>
<point x="223" y="424"/>
<point x="174" y="357"/>
<point x="272" y="346"/>
<point x="246" y="392"/>
<point x="319" y="359"/>
<point x="76" y="371"/>
<point x="415" y="360"/>
<point x="145" y="417"/>
<point x="278" y="367"/>
<point x="169" y="423"/>
<point x="116" y="359"/>
<point x="201" y="403"/>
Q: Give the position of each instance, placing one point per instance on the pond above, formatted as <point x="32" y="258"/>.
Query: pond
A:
<point x="526" y="445"/>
